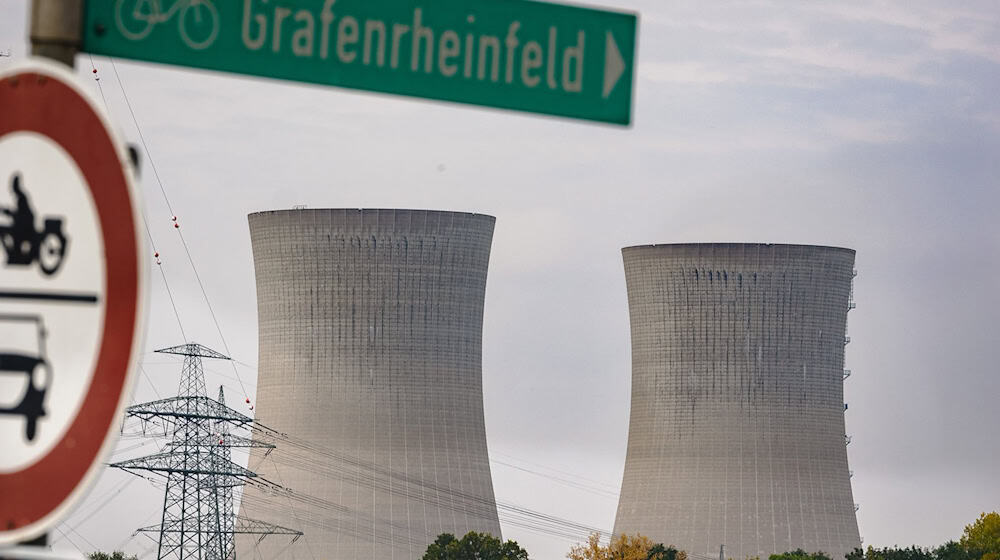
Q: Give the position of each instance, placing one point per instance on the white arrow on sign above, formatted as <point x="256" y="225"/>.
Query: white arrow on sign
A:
<point x="614" y="66"/>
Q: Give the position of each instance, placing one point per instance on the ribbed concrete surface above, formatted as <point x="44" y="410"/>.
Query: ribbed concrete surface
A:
<point x="737" y="418"/>
<point x="370" y="342"/>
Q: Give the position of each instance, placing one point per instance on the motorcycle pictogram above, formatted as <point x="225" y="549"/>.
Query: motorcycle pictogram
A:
<point x="23" y="243"/>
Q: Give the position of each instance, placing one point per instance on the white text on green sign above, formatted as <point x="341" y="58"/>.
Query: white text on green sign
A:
<point x="516" y="54"/>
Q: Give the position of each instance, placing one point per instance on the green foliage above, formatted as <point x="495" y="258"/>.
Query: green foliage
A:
<point x="660" y="552"/>
<point x="982" y="538"/>
<point x="473" y="546"/>
<point x="116" y="555"/>
<point x="952" y="550"/>
<point x="799" y="554"/>
<point x="980" y="541"/>
<point x="893" y="553"/>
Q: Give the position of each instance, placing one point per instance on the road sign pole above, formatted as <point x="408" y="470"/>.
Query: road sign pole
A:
<point x="55" y="34"/>
<point x="55" y="29"/>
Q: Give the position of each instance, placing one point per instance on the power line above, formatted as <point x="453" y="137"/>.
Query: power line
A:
<point x="564" y="481"/>
<point x="122" y="485"/>
<point x="281" y="481"/>
<point x="148" y="380"/>
<point x="142" y="138"/>
<point x="145" y="221"/>
<point x="330" y="463"/>
<point x="65" y="536"/>
<point x="187" y="251"/>
<point x="612" y="487"/>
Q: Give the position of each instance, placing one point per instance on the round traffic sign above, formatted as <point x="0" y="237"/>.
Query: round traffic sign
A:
<point x="72" y="294"/>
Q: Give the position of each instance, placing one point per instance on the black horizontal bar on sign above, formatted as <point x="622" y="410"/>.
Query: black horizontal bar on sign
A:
<point x="50" y="296"/>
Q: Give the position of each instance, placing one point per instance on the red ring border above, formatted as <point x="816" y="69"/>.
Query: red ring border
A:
<point x="43" y="103"/>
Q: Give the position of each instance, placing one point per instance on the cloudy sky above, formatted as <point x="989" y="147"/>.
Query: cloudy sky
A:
<point x="870" y="125"/>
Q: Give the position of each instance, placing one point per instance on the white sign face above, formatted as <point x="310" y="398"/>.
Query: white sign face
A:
<point x="51" y="295"/>
<point x="72" y="294"/>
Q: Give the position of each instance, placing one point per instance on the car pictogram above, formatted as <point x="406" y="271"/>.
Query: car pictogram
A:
<point x="25" y="374"/>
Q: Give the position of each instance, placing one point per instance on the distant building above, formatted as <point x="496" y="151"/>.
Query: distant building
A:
<point x="737" y="418"/>
<point x="370" y="341"/>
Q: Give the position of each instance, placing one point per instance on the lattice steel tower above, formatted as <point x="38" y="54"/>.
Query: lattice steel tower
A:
<point x="197" y="520"/>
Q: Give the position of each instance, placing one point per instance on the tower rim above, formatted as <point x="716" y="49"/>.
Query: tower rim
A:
<point x="730" y="245"/>
<point x="363" y="210"/>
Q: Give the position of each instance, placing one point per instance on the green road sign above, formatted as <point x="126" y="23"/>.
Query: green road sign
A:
<point x="515" y="54"/>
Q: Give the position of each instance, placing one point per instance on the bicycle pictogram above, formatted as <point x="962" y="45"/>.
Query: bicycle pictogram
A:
<point x="197" y="20"/>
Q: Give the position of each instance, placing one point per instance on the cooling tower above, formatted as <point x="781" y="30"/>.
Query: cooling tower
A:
<point x="736" y="434"/>
<point x="370" y="342"/>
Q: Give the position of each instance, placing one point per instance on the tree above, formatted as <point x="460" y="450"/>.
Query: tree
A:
<point x="952" y="550"/>
<point x="473" y="546"/>
<point x="893" y="553"/>
<point x="982" y="538"/>
<point x="624" y="547"/>
<point x="590" y="551"/>
<point x="116" y="555"/>
<point x="980" y="541"/>
<point x="660" y="552"/>
<point x="799" y="554"/>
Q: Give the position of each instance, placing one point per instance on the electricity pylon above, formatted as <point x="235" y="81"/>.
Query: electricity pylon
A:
<point x="198" y="520"/>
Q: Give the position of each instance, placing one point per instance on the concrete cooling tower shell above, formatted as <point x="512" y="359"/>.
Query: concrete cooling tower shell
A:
<point x="736" y="434"/>
<point x="370" y="341"/>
